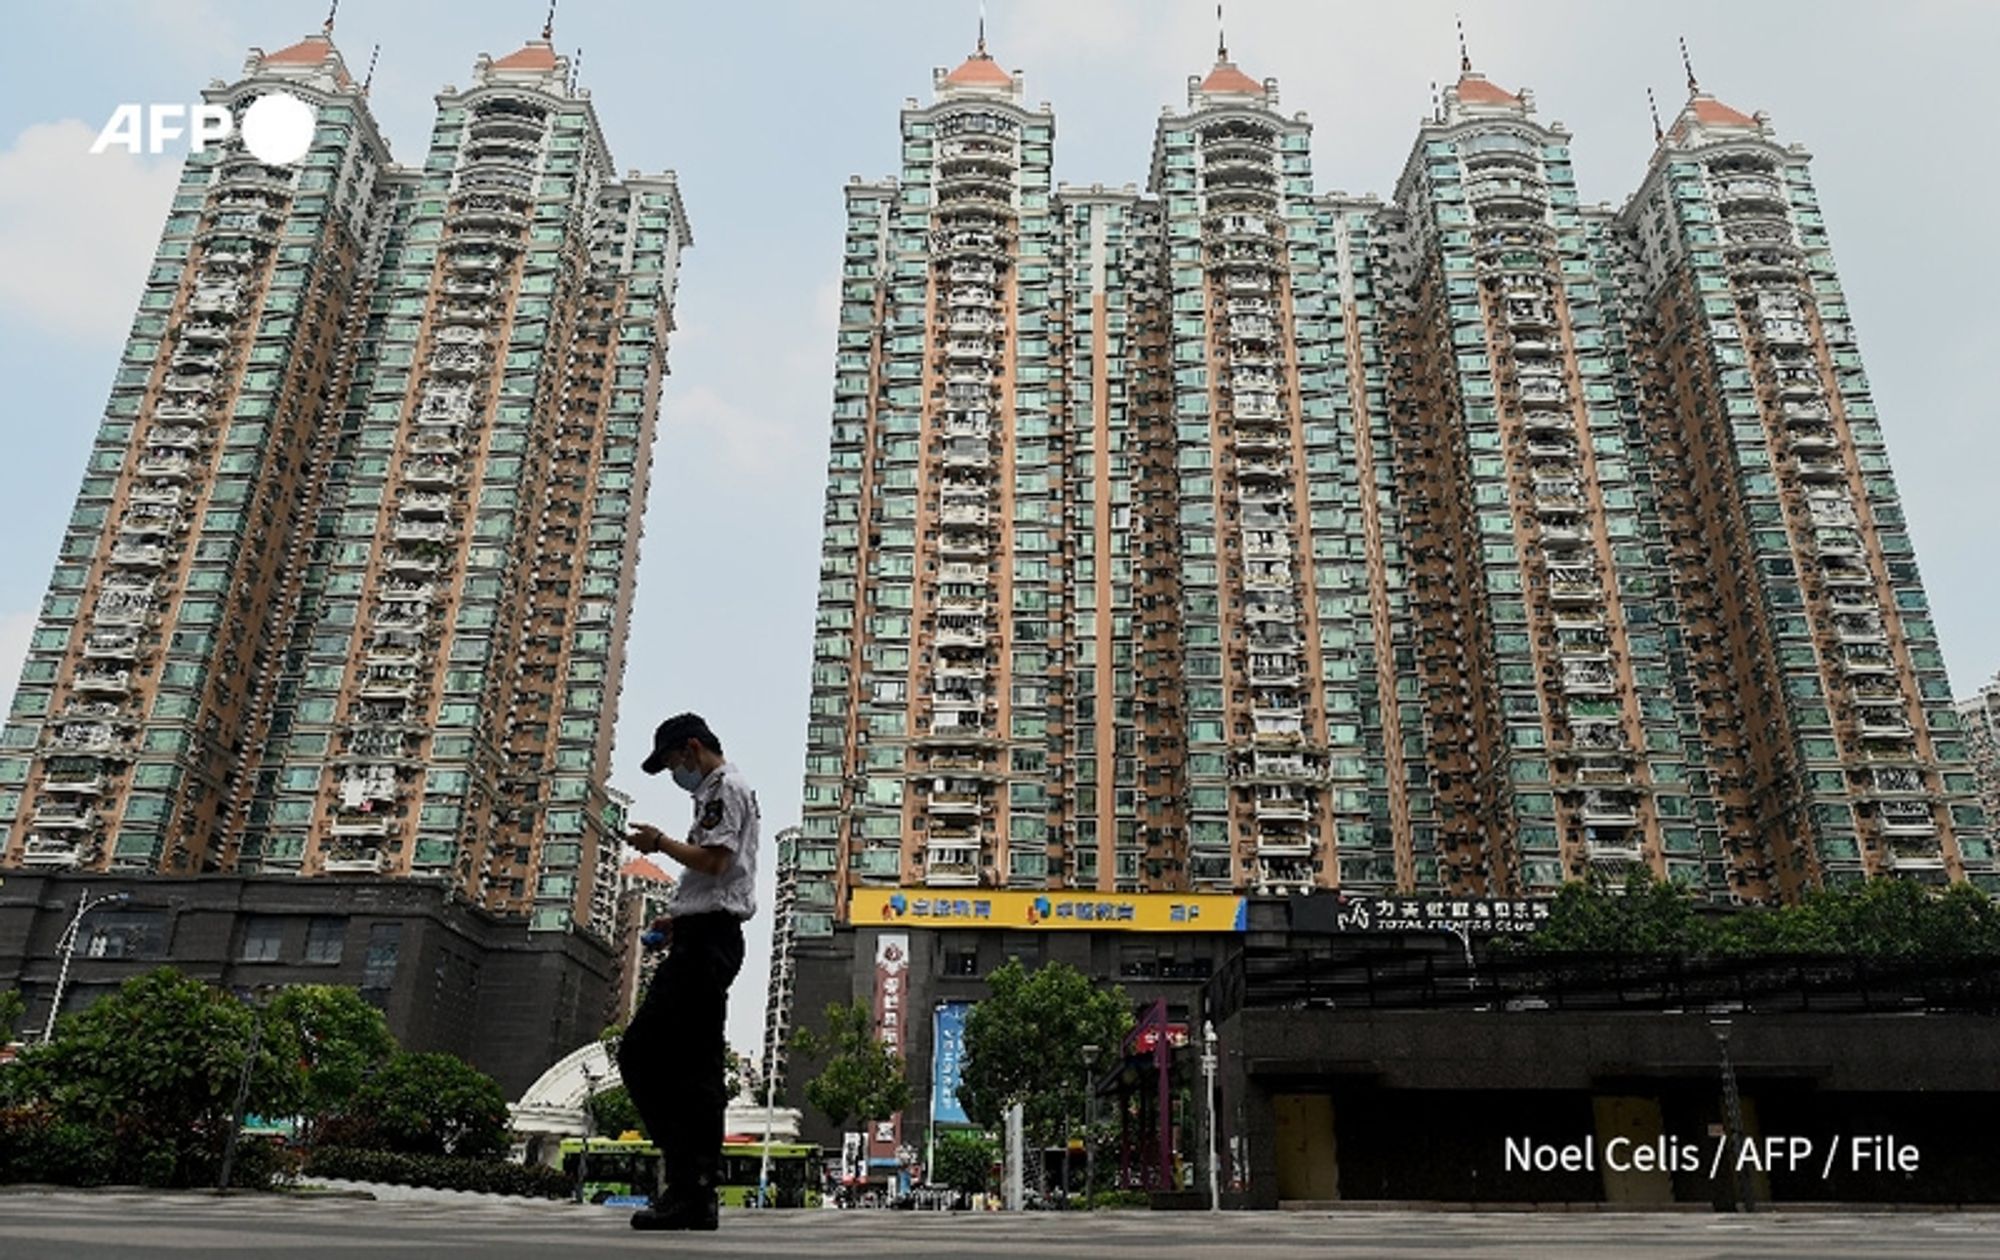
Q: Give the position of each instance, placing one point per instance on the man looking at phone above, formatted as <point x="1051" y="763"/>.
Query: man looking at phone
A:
<point x="671" y="1057"/>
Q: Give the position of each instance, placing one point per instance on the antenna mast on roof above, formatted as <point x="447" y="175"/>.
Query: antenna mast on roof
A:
<point x="549" y="23"/>
<point x="331" y="10"/>
<point x="369" y="81"/>
<point x="1464" y="57"/>
<point x="1652" y="106"/>
<point x="1688" y="66"/>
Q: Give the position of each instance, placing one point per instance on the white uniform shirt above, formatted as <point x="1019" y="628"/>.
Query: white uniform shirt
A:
<point x="725" y="816"/>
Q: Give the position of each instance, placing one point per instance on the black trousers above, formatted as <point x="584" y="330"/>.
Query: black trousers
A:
<point x="671" y="1057"/>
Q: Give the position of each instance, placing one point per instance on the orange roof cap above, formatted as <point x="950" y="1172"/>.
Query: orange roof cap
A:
<point x="539" y="55"/>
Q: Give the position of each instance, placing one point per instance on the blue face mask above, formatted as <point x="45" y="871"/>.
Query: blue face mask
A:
<point x="688" y="780"/>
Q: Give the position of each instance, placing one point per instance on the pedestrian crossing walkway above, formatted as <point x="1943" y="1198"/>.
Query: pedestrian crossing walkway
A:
<point x="74" y="1225"/>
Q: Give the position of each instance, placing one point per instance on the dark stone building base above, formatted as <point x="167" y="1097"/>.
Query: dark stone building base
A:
<point x="447" y="975"/>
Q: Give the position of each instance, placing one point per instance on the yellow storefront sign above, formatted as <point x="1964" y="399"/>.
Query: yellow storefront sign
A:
<point x="1008" y="908"/>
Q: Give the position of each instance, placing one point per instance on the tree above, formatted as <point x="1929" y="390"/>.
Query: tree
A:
<point x="342" y="1041"/>
<point x="612" y="1113"/>
<point x="1645" y="916"/>
<point x="427" y="1104"/>
<point x="12" y="1007"/>
<point x="153" y="1069"/>
<point x="964" y="1160"/>
<point x="1024" y="1044"/>
<point x="736" y="1073"/>
<point x="863" y="1079"/>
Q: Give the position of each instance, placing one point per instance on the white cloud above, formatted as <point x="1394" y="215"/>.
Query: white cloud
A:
<point x="15" y="629"/>
<point x="77" y="229"/>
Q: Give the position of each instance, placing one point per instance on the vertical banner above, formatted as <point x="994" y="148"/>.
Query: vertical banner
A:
<point x="853" y="1166"/>
<point x="892" y="973"/>
<point x="947" y="1058"/>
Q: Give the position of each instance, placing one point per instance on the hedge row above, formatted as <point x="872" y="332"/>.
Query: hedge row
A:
<point x="440" y="1172"/>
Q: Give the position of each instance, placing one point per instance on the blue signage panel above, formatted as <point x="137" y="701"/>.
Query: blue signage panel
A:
<point x="947" y="1059"/>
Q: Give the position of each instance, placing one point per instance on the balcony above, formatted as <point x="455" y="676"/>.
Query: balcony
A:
<point x="64" y="816"/>
<point x="1613" y="851"/>
<point x="957" y="804"/>
<point x="1863" y="659"/>
<point x="1906" y="818"/>
<point x="1821" y="468"/>
<point x="103" y="683"/>
<point x="1897" y="779"/>
<point x="172" y="466"/>
<point x="457" y="361"/>
<point x="1582" y="678"/>
<point x="962" y="544"/>
<point x="951" y="864"/>
<point x="431" y="471"/>
<point x="348" y="861"/>
<point x="190" y="383"/>
<point x="962" y="516"/>
<point x="419" y="504"/>
<point x="166" y="496"/>
<point x="422" y="531"/>
<point x="75" y="783"/>
<point x="1282" y="846"/>
<point x="50" y="852"/>
<point x="961" y="631"/>
<point x="389" y="683"/>
<point x="138" y="555"/>
<point x="148" y="520"/>
<point x="111" y="647"/>
<point x="1277" y="806"/>
<point x="1882" y="722"/>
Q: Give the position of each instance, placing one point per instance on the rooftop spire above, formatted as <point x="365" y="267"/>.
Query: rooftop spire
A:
<point x="549" y="23"/>
<point x="1221" y="37"/>
<point x="373" y="57"/>
<point x="1464" y="57"/>
<point x="1688" y="65"/>
<point x="1653" y="108"/>
<point x="982" y="28"/>
<point x="331" y="10"/>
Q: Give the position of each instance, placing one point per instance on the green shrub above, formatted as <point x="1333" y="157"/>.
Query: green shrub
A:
<point x="38" y="1146"/>
<point x="1119" y="1199"/>
<point x="440" y="1172"/>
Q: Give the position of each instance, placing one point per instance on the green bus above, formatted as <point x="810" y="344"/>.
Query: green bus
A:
<point x="625" y="1171"/>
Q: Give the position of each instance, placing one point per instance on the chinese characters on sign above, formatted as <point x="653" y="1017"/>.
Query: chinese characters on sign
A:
<point x="892" y="968"/>
<point x="1431" y="914"/>
<point x="1131" y="912"/>
<point x="947" y="1059"/>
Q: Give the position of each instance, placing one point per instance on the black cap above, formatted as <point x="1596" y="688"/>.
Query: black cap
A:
<point x="673" y="735"/>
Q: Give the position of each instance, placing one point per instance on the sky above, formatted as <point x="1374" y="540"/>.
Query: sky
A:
<point x="765" y="109"/>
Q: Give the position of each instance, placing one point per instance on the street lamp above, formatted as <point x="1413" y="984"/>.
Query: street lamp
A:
<point x="238" y="1109"/>
<point x="1208" y="1080"/>
<point x="1732" y="1114"/>
<point x="1089" y="1124"/>
<point x="770" y="1101"/>
<point x="67" y="944"/>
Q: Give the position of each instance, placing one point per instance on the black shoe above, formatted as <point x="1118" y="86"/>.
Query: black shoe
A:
<point x="678" y="1214"/>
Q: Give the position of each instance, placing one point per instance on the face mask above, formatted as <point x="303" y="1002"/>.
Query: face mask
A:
<point x="688" y="780"/>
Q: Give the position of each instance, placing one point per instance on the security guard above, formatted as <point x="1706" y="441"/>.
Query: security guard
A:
<point x="671" y="1057"/>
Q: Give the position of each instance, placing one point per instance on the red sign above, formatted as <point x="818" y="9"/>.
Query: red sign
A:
<point x="892" y="979"/>
<point x="1145" y="1040"/>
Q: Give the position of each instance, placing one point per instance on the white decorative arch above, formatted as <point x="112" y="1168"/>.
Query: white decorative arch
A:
<point x="552" y="1109"/>
<point x="553" y="1105"/>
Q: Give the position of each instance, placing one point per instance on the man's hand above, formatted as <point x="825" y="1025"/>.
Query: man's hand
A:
<point x="646" y="838"/>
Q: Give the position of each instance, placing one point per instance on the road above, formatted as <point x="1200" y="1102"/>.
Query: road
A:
<point x="118" y="1225"/>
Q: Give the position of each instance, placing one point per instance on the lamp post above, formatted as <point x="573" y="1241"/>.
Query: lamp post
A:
<point x="1089" y="1124"/>
<point x="238" y="1110"/>
<point x="1732" y="1104"/>
<point x="1208" y="1088"/>
<point x="67" y="944"/>
<point x="770" y="1096"/>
